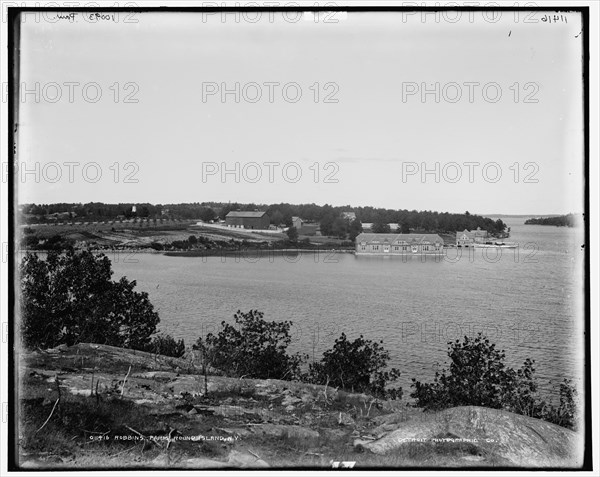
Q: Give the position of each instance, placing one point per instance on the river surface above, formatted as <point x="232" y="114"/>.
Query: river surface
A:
<point x="529" y="300"/>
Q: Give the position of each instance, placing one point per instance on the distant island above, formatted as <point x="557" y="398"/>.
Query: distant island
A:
<point x="568" y="220"/>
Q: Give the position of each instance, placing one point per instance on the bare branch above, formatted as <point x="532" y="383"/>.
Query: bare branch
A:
<point x="51" y="412"/>
<point x="124" y="381"/>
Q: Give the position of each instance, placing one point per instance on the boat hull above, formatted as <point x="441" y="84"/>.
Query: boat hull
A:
<point x="502" y="245"/>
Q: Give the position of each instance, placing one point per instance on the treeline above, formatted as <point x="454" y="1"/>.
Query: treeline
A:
<point x="568" y="220"/>
<point x="327" y="216"/>
<point x="94" y="211"/>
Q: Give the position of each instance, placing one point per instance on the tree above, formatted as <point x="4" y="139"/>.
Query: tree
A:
<point x="339" y="228"/>
<point x="58" y="243"/>
<point x="326" y="224"/>
<point x="253" y="348"/>
<point x="356" y="366"/>
<point x="403" y="228"/>
<point x="183" y="244"/>
<point x="70" y="298"/>
<point x="428" y="222"/>
<point x="276" y="218"/>
<point x="499" y="226"/>
<point x="478" y="376"/>
<point x="30" y="242"/>
<point x="381" y="228"/>
<point x="354" y="229"/>
<point x="292" y="234"/>
<point x="207" y="214"/>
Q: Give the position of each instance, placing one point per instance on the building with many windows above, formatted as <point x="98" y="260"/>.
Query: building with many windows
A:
<point x="398" y="244"/>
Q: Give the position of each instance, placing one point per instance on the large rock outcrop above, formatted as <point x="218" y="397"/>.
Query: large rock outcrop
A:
<point x="230" y="422"/>
<point x="514" y="439"/>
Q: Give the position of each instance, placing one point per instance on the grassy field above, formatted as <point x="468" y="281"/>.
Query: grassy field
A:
<point x="141" y="234"/>
<point x="117" y="234"/>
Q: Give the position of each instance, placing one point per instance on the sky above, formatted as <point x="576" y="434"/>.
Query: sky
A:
<point x="314" y="111"/>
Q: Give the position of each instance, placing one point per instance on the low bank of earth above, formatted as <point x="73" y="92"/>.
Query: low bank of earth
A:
<point x="97" y="406"/>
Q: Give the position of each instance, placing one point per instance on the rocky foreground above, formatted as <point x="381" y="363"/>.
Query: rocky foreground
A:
<point x="97" y="406"/>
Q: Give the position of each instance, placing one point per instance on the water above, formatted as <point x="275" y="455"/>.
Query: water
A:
<point x="528" y="301"/>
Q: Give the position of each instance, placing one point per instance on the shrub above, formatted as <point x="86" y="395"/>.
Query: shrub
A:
<point x="182" y="244"/>
<point x="566" y="413"/>
<point x="30" y="242"/>
<point x="56" y="243"/>
<point x="477" y="376"/>
<point x="157" y="246"/>
<point x="292" y="234"/>
<point x="167" y="346"/>
<point x="70" y="298"/>
<point x="356" y="366"/>
<point x="253" y="347"/>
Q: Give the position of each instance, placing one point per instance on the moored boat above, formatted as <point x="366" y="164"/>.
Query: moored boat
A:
<point x="495" y="245"/>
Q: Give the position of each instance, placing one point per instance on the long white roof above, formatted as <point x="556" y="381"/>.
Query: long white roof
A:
<point x="399" y="238"/>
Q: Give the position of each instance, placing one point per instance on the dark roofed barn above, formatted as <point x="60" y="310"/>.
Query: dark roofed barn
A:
<point x="247" y="220"/>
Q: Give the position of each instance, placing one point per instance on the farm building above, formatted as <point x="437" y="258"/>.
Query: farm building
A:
<point x="297" y="222"/>
<point x="398" y="244"/>
<point x="468" y="238"/>
<point x="247" y="220"/>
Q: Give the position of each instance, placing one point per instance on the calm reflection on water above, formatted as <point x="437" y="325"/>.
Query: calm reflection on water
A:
<point x="528" y="301"/>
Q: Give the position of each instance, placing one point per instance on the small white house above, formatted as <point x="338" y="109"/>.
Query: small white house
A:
<point x="297" y="222"/>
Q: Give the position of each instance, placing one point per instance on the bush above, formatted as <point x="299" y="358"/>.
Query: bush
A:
<point x="478" y="377"/>
<point x="56" y="243"/>
<point x="255" y="348"/>
<point x="182" y="244"/>
<point x="356" y="366"/>
<point x="167" y="346"/>
<point x="292" y="234"/>
<point x="70" y="298"/>
<point x="30" y="242"/>
<point x="566" y="413"/>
